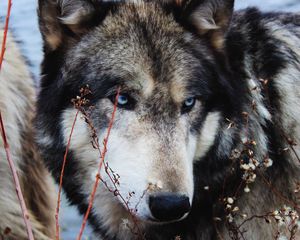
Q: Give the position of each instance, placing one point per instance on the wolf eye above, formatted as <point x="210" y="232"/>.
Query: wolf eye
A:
<point x="123" y="101"/>
<point x="188" y="104"/>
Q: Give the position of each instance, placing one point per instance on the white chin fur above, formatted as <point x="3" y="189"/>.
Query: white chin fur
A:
<point x="135" y="162"/>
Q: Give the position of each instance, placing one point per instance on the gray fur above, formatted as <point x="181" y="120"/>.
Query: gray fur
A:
<point x="243" y="69"/>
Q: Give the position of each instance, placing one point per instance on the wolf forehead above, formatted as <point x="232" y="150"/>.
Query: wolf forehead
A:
<point x="141" y="46"/>
<point x="150" y="45"/>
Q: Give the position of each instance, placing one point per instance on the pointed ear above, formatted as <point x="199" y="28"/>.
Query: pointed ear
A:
<point x="59" y="19"/>
<point x="208" y="17"/>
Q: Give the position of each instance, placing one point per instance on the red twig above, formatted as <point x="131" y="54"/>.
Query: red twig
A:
<point x="5" y="32"/>
<point x="61" y="177"/>
<point x="98" y="176"/>
<point x="16" y="180"/>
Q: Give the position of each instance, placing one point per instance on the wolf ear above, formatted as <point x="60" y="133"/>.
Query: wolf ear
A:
<point x="208" y="17"/>
<point x="59" y="19"/>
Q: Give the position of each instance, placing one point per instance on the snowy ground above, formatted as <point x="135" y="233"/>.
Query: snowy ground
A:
<point x="24" y="25"/>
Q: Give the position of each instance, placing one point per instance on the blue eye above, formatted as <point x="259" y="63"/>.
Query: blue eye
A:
<point x="188" y="105"/>
<point x="122" y="100"/>
<point x="190" y="102"/>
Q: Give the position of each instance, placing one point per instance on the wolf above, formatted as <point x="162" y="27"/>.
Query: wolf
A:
<point x="202" y="108"/>
<point x="17" y="105"/>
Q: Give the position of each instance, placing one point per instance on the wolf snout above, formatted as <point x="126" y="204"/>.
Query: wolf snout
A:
<point x="169" y="206"/>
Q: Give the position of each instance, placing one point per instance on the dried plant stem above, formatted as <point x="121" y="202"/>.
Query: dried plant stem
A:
<point x="16" y="181"/>
<point x="277" y="193"/>
<point x="253" y="217"/>
<point x="62" y="175"/>
<point x="98" y="177"/>
<point x="5" y="32"/>
<point x="292" y="144"/>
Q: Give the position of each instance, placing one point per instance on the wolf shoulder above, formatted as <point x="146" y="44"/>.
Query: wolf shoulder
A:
<point x="279" y="28"/>
<point x="270" y="47"/>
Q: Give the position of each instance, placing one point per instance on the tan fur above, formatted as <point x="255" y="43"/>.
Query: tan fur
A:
<point x="17" y="107"/>
<point x="213" y="21"/>
<point x="54" y="33"/>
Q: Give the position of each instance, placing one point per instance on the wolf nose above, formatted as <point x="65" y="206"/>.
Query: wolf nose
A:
<point x="169" y="206"/>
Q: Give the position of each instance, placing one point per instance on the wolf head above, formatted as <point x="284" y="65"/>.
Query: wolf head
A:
<point x="168" y="60"/>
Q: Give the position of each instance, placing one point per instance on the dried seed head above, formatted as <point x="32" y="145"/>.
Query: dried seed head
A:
<point x="230" y="218"/>
<point x="268" y="162"/>
<point x="235" y="209"/>
<point x="230" y="200"/>
<point x="235" y="154"/>
<point x="247" y="189"/>
<point x="245" y="167"/>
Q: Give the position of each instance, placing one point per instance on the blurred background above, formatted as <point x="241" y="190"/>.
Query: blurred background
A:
<point x="23" y="24"/>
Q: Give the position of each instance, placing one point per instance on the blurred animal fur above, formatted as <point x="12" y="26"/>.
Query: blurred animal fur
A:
<point x="209" y="100"/>
<point x="17" y="100"/>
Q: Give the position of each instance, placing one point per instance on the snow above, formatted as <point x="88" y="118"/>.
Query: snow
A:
<point x="25" y="28"/>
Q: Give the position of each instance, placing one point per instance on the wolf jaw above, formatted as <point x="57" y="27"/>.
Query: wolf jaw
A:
<point x="161" y="54"/>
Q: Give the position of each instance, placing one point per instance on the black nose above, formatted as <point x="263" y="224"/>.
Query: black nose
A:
<point x="169" y="206"/>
